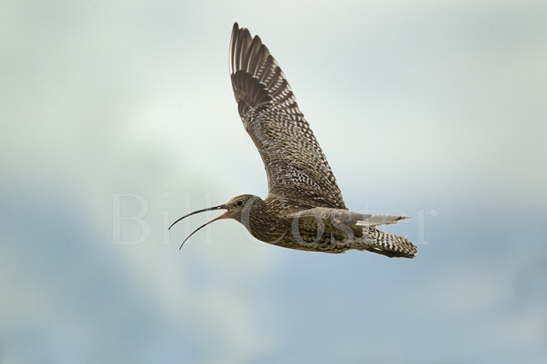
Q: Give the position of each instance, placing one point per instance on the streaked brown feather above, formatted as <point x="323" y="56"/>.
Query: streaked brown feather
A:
<point x="304" y="209"/>
<point x="295" y="164"/>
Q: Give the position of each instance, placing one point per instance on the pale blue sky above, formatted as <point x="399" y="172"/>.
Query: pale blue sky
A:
<point x="430" y="109"/>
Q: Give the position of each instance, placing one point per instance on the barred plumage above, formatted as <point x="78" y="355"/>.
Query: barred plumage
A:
<point x="387" y="244"/>
<point x="304" y="209"/>
<point x="270" y="114"/>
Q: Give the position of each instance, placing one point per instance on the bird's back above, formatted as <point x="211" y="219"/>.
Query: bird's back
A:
<point x="333" y="230"/>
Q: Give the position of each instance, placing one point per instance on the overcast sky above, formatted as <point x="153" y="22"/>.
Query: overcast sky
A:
<point x="113" y="110"/>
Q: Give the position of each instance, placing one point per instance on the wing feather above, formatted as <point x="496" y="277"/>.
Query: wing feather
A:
<point x="295" y="164"/>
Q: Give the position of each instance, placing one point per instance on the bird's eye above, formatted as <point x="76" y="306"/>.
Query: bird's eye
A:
<point x="239" y="203"/>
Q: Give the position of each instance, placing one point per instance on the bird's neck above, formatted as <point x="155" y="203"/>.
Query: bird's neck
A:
<point x="264" y="223"/>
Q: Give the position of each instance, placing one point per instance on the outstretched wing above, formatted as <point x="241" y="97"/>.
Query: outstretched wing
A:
<point x="295" y="165"/>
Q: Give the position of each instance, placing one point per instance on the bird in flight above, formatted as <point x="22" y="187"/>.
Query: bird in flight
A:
<point x="304" y="208"/>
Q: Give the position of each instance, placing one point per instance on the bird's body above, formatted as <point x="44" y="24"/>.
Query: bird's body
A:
<point x="295" y="225"/>
<point x="304" y="209"/>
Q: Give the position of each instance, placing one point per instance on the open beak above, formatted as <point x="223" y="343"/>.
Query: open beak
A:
<point x="220" y="207"/>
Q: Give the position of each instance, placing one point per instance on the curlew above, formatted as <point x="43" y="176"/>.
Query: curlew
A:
<point x="304" y="208"/>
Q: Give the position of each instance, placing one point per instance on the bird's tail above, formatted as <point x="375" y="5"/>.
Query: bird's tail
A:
<point x="390" y="245"/>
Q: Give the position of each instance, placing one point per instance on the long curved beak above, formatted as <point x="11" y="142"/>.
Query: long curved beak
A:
<point x="219" y="207"/>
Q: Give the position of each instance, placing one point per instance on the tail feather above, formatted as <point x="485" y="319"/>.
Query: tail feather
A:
<point x="390" y="245"/>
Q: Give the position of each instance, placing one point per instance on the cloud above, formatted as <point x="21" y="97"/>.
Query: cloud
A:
<point x="419" y="107"/>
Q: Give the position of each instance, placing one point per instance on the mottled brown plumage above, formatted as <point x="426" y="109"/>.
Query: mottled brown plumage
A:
<point x="304" y="209"/>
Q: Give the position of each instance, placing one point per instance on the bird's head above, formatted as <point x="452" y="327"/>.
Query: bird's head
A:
<point x="237" y="208"/>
